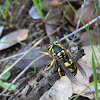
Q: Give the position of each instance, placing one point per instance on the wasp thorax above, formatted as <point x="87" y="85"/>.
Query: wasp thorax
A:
<point x="57" y="50"/>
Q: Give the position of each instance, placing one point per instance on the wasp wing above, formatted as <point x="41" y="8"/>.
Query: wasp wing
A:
<point x="70" y="75"/>
<point x="77" y="65"/>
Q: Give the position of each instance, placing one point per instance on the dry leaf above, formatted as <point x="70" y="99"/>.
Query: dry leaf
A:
<point x="84" y="39"/>
<point x="87" y="58"/>
<point x="13" y="38"/>
<point x="54" y="16"/>
<point x="34" y="13"/>
<point x="69" y="14"/>
<point x="88" y="15"/>
<point x="49" y="29"/>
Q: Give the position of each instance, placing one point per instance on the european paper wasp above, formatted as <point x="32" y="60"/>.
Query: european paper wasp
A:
<point x="65" y="60"/>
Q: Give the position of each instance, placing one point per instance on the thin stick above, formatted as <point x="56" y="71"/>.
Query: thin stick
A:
<point x="82" y="11"/>
<point x="7" y="58"/>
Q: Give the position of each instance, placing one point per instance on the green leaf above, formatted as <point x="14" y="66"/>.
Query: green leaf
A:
<point x="95" y="77"/>
<point x="6" y="75"/>
<point x="38" y="5"/>
<point x="1" y="82"/>
<point x="6" y="84"/>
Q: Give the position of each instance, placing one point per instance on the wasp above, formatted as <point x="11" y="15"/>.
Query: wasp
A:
<point x="65" y="60"/>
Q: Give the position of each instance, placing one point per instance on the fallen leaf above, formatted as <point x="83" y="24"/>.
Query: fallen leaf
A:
<point x="13" y="38"/>
<point x="34" y="13"/>
<point x="54" y="16"/>
<point x="68" y="14"/>
<point x="30" y="57"/>
<point x="84" y="39"/>
<point x="87" y="58"/>
<point x="49" y="29"/>
<point x="88" y="15"/>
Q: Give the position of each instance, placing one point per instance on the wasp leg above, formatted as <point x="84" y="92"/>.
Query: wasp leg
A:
<point x="69" y="52"/>
<point x="45" y="53"/>
<point x="50" y="65"/>
<point x="59" y="72"/>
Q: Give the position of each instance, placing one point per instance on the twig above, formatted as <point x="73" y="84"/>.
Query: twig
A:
<point x="78" y="23"/>
<point x="7" y="58"/>
<point x="92" y="90"/>
<point x="82" y="11"/>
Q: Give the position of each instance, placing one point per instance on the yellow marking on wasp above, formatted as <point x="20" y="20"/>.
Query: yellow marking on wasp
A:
<point x="69" y="52"/>
<point x="71" y="70"/>
<point x="63" y="51"/>
<point x="75" y="67"/>
<point x="59" y="54"/>
<point x="50" y="47"/>
<point x="50" y="64"/>
<point x="59" y="72"/>
<point x="68" y="64"/>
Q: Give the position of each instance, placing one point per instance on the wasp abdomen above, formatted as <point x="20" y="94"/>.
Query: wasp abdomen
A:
<point x="71" y="66"/>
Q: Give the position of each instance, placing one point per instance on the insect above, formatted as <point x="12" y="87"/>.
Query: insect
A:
<point x="65" y="60"/>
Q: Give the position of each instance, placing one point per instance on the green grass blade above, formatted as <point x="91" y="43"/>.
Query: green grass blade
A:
<point x="2" y="13"/>
<point x="38" y="5"/>
<point x="99" y="3"/>
<point x="95" y="77"/>
<point x="6" y="8"/>
<point x="92" y="47"/>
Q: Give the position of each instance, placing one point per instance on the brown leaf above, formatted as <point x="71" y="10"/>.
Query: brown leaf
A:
<point x="84" y="39"/>
<point x="88" y="15"/>
<point x="54" y="16"/>
<point x="13" y="38"/>
<point x="69" y="14"/>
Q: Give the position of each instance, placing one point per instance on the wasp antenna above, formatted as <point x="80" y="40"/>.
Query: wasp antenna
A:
<point x="58" y="40"/>
<point x="50" y="42"/>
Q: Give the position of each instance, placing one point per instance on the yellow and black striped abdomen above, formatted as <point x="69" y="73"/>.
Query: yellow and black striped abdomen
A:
<point x="71" y="66"/>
